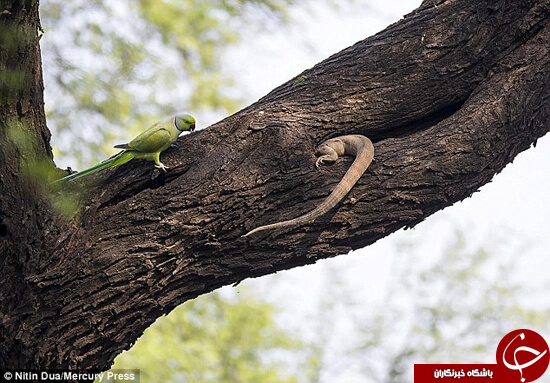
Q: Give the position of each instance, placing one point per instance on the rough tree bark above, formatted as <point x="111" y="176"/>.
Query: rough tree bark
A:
<point x="449" y="95"/>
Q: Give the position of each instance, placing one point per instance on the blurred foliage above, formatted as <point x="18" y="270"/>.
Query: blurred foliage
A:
<point x="35" y="168"/>
<point x="113" y="67"/>
<point x="213" y="339"/>
<point x="455" y="310"/>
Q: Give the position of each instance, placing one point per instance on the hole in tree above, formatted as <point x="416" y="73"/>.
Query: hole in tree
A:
<point x="3" y="230"/>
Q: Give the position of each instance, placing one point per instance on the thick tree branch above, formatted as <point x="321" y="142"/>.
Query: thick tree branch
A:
<point x="449" y="96"/>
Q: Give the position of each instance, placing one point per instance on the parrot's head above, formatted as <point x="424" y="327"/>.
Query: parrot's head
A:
<point x="185" y="122"/>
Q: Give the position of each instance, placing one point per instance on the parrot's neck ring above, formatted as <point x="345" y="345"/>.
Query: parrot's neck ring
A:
<point x="176" y="124"/>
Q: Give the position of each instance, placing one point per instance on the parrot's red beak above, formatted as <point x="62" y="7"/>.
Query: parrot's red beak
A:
<point x="192" y="127"/>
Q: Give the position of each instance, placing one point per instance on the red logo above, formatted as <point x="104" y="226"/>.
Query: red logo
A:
<point x="524" y="354"/>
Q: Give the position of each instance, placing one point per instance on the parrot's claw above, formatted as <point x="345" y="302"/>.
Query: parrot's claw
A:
<point x="161" y="166"/>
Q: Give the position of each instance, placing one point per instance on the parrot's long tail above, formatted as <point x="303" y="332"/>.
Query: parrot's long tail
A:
<point x="117" y="159"/>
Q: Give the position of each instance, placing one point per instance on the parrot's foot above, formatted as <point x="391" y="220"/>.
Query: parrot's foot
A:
<point x="161" y="166"/>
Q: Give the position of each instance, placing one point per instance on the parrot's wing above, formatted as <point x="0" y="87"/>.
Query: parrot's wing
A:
<point x="122" y="146"/>
<point x="149" y="130"/>
<point x="150" y="141"/>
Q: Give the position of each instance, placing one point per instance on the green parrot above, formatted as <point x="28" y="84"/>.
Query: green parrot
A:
<point x="147" y="146"/>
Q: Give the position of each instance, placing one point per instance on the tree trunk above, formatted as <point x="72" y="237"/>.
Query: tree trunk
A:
<point x="449" y="95"/>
